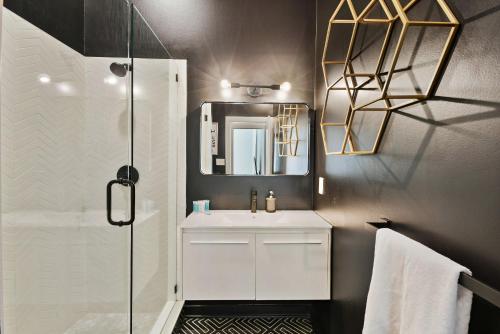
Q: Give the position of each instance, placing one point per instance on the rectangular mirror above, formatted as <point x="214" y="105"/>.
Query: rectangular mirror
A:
<point x="255" y="138"/>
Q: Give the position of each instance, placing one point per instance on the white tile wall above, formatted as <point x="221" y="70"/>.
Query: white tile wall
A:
<point x="42" y="125"/>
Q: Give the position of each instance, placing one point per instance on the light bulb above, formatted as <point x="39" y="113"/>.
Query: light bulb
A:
<point x="286" y="86"/>
<point x="225" y="84"/>
<point x="44" y="78"/>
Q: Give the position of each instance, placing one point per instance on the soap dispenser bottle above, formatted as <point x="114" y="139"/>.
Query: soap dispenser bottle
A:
<point x="270" y="202"/>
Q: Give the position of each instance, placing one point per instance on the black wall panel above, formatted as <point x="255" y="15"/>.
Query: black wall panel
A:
<point x="106" y="28"/>
<point x="62" y="19"/>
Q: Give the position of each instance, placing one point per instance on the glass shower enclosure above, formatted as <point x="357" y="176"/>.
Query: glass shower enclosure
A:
<point x="89" y="179"/>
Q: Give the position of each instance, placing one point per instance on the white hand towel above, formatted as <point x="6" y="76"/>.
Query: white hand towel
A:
<point x="414" y="290"/>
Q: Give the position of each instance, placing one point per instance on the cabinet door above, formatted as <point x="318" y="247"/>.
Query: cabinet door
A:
<point x="218" y="266"/>
<point x="293" y="266"/>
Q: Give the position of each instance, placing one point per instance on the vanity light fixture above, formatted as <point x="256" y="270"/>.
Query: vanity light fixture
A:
<point x="255" y="90"/>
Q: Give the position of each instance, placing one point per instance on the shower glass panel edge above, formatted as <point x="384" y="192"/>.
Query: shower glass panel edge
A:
<point x="2" y="330"/>
<point x="154" y="104"/>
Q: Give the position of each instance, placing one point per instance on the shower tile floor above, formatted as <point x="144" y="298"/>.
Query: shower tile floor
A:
<point x="244" y="324"/>
<point x="111" y="323"/>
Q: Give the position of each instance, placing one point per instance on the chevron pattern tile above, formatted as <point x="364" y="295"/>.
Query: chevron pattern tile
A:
<point x="245" y="325"/>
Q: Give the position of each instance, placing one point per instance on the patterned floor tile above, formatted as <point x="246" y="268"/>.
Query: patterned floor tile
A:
<point x="245" y="325"/>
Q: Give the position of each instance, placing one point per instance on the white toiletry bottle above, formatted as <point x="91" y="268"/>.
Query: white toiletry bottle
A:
<point x="271" y="202"/>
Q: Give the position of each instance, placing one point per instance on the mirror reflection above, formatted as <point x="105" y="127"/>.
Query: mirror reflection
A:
<point x="254" y="138"/>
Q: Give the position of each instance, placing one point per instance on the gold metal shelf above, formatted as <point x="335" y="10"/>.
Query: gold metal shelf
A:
<point x="383" y="80"/>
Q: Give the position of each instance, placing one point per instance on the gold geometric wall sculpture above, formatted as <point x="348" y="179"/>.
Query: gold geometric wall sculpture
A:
<point x="352" y="83"/>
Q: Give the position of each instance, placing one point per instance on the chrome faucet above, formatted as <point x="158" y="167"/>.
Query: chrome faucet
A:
<point x="253" y="201"/>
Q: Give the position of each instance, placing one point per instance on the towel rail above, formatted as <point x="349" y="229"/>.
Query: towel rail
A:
<point x="477" y="287"/>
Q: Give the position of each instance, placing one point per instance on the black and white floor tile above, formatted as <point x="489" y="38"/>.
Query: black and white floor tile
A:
<point x="245" y="325"/>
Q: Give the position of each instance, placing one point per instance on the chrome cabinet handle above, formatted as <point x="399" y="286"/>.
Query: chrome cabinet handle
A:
<point x="109" y="195"/>
<point x="218" y="242"/>
<point x="312" y="242"/>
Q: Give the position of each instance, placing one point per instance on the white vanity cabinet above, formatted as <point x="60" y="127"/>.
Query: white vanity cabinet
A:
<point x="292" y="266"/>
<point x="236" y="255"/>
<point x="219" y="266"/>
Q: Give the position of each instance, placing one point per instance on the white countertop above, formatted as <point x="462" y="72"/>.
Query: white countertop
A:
<point x="244" y="219"/>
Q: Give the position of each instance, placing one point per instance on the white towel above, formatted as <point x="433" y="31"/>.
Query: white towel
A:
<point x="414" y="290"/>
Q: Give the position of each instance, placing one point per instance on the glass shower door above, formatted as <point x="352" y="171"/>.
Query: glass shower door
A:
<point x="66" y="129"/>
<point x="89" y="172"/>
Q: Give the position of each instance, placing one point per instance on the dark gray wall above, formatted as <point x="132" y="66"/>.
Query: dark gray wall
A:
<point x="437" y="174"/>
<point x="244" y="41"/>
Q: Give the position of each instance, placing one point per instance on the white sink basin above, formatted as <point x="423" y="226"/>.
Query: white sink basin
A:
<point x="260" y="219"/>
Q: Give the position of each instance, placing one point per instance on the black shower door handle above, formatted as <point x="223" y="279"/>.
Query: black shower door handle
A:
<point x="109" y="195"/>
